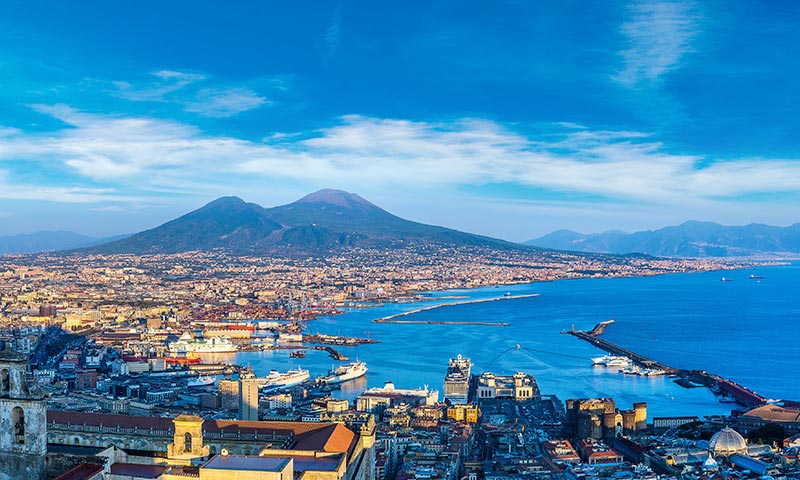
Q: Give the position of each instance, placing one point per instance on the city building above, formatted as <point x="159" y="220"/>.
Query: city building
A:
<point x="519" y="386"/>
<point x="23" y="446"/>
<point x="248" y="397"/>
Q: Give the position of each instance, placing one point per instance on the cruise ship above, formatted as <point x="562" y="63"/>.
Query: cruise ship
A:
<point x="344" y="373"/>
<point x="456" y="381"/>
<point x="612" y="361"/>
<point x="202" y="345"/>
<point x="290" y="378"/>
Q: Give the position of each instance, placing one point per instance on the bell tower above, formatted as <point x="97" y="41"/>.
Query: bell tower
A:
<point x="23" y="421"/>
<point x="187" y="443"/>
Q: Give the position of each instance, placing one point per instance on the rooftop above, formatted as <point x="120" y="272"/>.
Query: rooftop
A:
<point x="246" y="462"/>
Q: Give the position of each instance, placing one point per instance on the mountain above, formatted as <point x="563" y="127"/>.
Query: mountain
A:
<point x="318" y="222"/>
<point x="47" y="241"/>
<point x="689" y="239"/>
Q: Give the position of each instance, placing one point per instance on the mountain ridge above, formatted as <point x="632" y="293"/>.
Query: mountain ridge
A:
<point x="316" y="223"/>
<point x="690" y="239"/>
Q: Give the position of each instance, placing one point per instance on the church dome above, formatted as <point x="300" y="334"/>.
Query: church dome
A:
<point x="727" y="442"/>
<point x="710" y="464"/>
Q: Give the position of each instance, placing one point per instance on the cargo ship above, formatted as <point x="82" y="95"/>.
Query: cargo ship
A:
<point x="202" y="345"/>
<point x="344" y="373"/>
<point x="276" y="380"/>
<point x="456" y="381"/>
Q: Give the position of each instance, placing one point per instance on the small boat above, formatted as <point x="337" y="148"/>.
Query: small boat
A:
<point x="756" y="277"/>
<point x="298" y="354"/>
<point x="725" y="279"/>
<point x="507" y="294"/>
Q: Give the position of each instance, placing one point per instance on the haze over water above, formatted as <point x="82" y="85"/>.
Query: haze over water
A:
<point x="745" y="330"/>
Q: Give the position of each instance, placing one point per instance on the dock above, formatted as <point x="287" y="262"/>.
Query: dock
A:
<point x="685" y="378"/>
<point x="394" y="318"/>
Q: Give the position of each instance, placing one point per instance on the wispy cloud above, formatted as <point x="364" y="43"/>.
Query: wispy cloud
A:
<point x="185" y="88"/>
<point x="658" y="36"/>
<point x="222" y="103"/>
<point x="168" y="81"/>
<point x="333" y="34"/>
<point x="121" y="152"/>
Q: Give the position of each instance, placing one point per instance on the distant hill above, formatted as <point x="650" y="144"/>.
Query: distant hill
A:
<point x="690" y="239"/>
<point x="47" y="241"/>
<point x="319" y="222"/>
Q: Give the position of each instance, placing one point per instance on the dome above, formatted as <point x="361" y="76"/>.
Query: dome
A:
<point x="727" y="442"/>
<point x="710" y="464"/>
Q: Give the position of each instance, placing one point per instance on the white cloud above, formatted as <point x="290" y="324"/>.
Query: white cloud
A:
<point x="658" y="36"/>
<point x="222" y="103"/>
<point x="166" y="156"/>
<point x="183" y="88"/>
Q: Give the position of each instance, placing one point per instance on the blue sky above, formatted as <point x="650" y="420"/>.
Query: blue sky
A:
<point x="510" y="119"/>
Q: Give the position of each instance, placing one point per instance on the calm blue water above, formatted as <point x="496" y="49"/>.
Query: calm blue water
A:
<point x="746" y="330"/>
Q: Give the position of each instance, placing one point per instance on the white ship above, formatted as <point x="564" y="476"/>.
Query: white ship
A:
<point x="344" y="373"/>
<point x="201" y="381"/>
<point x="612" y="361"/>
<point x="456" y="381"/>
<point x="277" y="379"/>
<point x="202" y="345"/>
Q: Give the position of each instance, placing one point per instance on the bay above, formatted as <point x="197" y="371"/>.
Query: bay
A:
<point x="747" y="330"/>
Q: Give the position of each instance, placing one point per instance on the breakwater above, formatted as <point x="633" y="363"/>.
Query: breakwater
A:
<point x="397" y="318"/>
<point x="686" y="378"/>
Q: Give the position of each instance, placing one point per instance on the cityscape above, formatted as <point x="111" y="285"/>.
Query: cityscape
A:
<point x="342" y="241"/>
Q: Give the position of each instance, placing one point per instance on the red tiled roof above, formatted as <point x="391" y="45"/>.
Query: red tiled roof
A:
<point x="83" y="471"/>
<point x="138" y="470"/>
<point x="109" y="420"/>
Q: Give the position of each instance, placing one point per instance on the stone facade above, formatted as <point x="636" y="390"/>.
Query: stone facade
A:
<point x="23" y="445"/>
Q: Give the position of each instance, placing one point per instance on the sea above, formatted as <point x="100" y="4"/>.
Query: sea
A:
<point x="745" y="329"/>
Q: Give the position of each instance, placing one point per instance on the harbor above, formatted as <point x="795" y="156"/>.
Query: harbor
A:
<point x="685" y="378"/>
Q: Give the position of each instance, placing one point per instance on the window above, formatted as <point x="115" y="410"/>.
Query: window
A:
<point x="18" y="424"/>
<point x="5" y="386"/>
<point x="187" y="442"/>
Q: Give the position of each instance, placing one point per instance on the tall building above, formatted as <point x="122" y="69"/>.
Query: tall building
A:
<point x="248" y="397"/>
<point x="229" y="394"/>
<point x="23" y="421"/>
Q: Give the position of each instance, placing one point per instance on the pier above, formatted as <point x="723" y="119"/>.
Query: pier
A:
<point x="394" y="318"/>
<point x="686" y="378"/>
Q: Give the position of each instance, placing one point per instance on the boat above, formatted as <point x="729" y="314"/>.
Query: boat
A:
<point x="756" y="277"/>
<point x="275" y="379"/>
<point x="507" y="294"/>
<point x="725" y="279"/>
<point x="201" y="381"/>
<point x="202" y="345"/>
<point x="612" y="361"/>
<point x="298" y="354"/>
<point x="456" y="380"/>
<point x="344" y="373"/>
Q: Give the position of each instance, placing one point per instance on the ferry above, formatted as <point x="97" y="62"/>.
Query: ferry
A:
<point x="612" y="361"/>
<point x="275" y="379"/>
<point x="202" y="345"/>
<point x="344" y="373"/>
<point x="456" y="381"/>
<point x="201" y="381"/>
